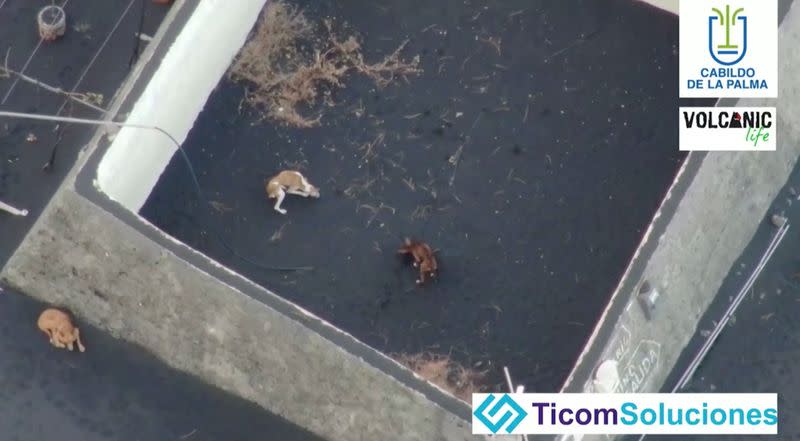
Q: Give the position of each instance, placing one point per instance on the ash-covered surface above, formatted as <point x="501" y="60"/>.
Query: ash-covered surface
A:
<point x="532" y="153"/>
<point x="92" y="57"/>
<point x="113" y="391"/>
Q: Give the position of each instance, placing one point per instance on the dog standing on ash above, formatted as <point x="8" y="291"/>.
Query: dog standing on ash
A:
<point x="424" y="258"/>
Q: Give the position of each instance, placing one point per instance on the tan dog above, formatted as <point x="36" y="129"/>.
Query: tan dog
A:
<point x="59" y="329"/>
<point x="424" y="258"/>
<point x="292" y="182"/>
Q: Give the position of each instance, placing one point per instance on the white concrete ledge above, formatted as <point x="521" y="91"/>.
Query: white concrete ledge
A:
<point x="174" y="97"/>
<point x="667" y="5"/>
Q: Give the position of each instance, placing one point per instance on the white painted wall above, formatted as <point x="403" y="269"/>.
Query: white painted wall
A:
<point x="174" y="97"/>
<point x="667" y="5"/>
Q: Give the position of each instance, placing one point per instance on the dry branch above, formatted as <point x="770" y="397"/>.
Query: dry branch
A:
<point x="445" y="373"/>
<point x="286" y="66"/>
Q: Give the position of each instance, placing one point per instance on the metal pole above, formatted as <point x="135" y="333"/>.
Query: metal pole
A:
<point x="511" y="390"/>
<point x="15" y="211"/>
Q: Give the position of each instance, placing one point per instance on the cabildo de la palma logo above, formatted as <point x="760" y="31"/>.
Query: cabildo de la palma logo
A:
<point x="728" y="48"/>
<point x="731" y="129"/>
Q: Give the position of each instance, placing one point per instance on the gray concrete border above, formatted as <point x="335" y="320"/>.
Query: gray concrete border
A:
<point x="708" y="218"/>
<point x="117" y="272"/>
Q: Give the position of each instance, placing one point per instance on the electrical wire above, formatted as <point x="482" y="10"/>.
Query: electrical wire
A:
<point x="195" y="181"/>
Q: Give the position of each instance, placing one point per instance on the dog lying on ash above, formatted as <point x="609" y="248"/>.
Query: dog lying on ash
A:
<point x="424" y="258"/>
<point x="59" y="329"/>
<point x="292" y="182"/>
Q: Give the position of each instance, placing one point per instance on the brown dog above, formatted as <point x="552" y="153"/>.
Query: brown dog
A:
<point x="424" y="259"/>
<point x="59" y="329"/>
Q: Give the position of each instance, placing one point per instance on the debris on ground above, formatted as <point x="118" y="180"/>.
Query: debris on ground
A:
<point x="289" y="62"/>
<point x="220" y="207"/>
<point x="442" y="371"/>
<point x="52" y="22"/>
<point x="12" y="210"/>
<point x="778" y="220"/>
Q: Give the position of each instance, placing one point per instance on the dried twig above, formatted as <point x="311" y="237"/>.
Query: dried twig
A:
<point x="410" y="184"/>
<point x="369" y="148"/>
<point x="391" y="68"/>
<point x="580" y="40"/>
<point x="456" y="158"/>
<point x="359" y="186"/>
<point x="446" y="373"/>
<point x="283" y="77"/>
<point x="515" y="13"/>
<point x="376" y="210"/>
<point x="220" y="207"/>
<point x="493" y="42"/>
<point x="188" y="435"/>
<point x="278" y="234"/>
<point x="88" y="99"/>
<point x="422" y="212"/>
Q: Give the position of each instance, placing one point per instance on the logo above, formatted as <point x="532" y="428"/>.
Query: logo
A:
<point x="488" y="416"/>
<point x="626" y="414"/>
<point x="727" y="129"/>
<point x="728" y="49"/>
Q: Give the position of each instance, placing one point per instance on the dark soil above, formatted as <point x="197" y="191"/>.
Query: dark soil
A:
<point x="532" y="153"/>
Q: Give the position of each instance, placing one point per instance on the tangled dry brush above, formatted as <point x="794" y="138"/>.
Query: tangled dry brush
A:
<point x="288" y="62"/>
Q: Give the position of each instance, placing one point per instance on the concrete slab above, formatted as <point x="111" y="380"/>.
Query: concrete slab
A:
<point x="113" y="391"/>
<point x="714" y="210"/>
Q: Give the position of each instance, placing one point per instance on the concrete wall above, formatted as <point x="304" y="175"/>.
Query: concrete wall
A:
<point x="704" y="225"/>
<point x="117" y="279"/>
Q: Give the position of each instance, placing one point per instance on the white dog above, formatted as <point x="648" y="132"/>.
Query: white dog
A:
<point x="292" y="182"/>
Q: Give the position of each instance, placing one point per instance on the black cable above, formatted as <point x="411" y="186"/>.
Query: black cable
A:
<point x="195" y="181"/>
<point x="135" y="54"/>
<point x="51" y="161"/>
<point x="48" y="166"/>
